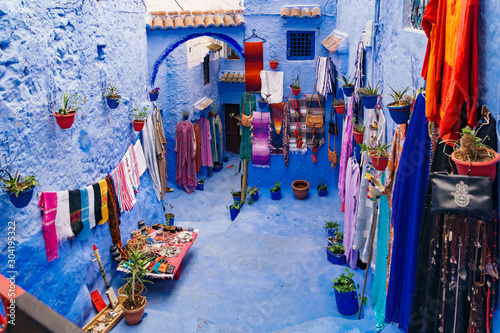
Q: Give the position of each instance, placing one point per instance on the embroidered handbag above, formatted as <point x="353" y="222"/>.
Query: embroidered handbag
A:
<point x="467" y="195"/>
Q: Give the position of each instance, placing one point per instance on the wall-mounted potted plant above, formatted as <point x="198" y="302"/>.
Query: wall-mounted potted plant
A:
<point x="335" y="254"/>
<point x="300" y="189"/>
<point x="400" y="108"/>
<point x="134" y="305"/>
<point x="200" y="184"/>
<point x="345" y="294"/>
<point x="169" y="217"/>
<point x="253" y="194"/>
<point x="236" y="196"/>
<point x="20" y="191"/>
<point x="274" y="63"/>
<point x="378" y="154"/>
<point x="358" y="131"/>
<point x="369" y="96"/>
<point x="65" y="116"/>
<point x="276" y="191"/>
<point x="322" y="189"/>
<point x="112" y="97"/>
<point x="331" y="227"/>
<point x="139" y="118"/>
<point x="234" y="209"/>
<point x="153" y="94"/>
<point x="295" y="86"/>
<point x="472" y="154"/>
<point x="339" y="106"/>
<point x="348" y="86"/>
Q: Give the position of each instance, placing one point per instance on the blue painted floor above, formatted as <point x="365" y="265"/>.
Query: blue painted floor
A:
<point x="266" y="271"/>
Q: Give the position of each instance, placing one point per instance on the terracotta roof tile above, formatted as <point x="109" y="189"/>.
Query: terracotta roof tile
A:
<point x="184" y="20"/>
<point x="158" y="13"/>
<point x="178" y="22"/>
<point x="228" y="20"/>
<point x="209" y="22"/>
<point x="157" y="23"/>
<point x="185" y="12"/>
<point x="229" y="11"/>
<point x="285" y="12"/>
<point x="295" y="12"/>
<point x="305" y="13"/>
<point x="168" y="23"/>
<point x="208" y="12"/>
<point x="219" y="22"/>
<point x="149" y="22"/>
<point x="219" y="11"/>
<point x="188" y="22"/>
<point x="173" y="13"/>
<point x="239" y="11"/>
<point x="229" y="77"/>
<point x="198" y="22"/>
<point x="316" y="12"/>
<point x="196" y="12"/>
<point x="238" y="20"/>
<point x="300" y="12"/>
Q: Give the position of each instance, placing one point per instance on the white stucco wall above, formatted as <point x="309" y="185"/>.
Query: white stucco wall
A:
<point x="193" y="4"/>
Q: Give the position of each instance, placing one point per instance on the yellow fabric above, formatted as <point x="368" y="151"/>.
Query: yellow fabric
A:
<point x="104" y="201"/>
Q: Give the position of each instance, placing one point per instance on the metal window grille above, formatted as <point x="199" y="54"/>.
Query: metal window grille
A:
<point x="417" y="12"/>
<point x="300" y="45"/>
<point x="206" y="69"/>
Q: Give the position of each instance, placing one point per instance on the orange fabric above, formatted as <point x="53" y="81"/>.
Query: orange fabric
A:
<point x="198" y="147"/>
<point x="450" y="65"/>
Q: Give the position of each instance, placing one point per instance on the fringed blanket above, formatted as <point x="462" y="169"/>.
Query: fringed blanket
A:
<point x="254" y="64"/>
<point x="297" y="111"/>
<point x="277" y="123"/>
<point x="261" y="155"/>
<point x="286" y="129"/>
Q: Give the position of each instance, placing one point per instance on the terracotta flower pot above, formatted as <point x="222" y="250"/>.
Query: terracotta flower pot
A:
<point x="358" y="137"/>
<point x="485" y="169"/>
<point x="138" y="125"/>
<point x="379" y="163"/>
<point x="340" y="109"/>
<point x="295" y="91"/>
<point x="65" y="120"/>
<point x="133" y="317"/>
<point x="300" y="189"/>
<point x="121" y="291"/>
<point x="273" y="64"/>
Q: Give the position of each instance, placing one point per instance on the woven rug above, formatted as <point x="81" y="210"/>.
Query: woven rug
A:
<point x="261" y="155"/>
<point x="254" y="64"/>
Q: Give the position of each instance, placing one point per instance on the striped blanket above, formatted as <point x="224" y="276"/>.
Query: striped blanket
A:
<point x="261" y="155"/>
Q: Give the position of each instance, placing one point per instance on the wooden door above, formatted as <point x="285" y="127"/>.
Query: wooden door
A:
<point x="233" y="136"/>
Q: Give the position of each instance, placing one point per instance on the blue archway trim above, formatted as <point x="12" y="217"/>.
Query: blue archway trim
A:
<point x="229" y="40"/>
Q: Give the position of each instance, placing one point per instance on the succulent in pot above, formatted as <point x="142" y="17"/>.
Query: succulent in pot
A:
<point x="348" y="85"/>
<point x="65" y="116"/>
<point x="20" y="191"/>
<point x="153" y="94"/>
<point x="378" y="153"/>
<point x="331" y="227"/>
<point x="339" y="105"/>
<point x="295" y="86"/>
<point x="234" y="209"/>
<point x="322" y="189"/>
<point x="369" y="96"/>
<point x="253" y="195"/>
<point x="276" y="191"/>
<point x="400" y="108"/>
<point x="112" y="97"/>
<point x="335" y="254"/>
<point x="273" y="63"/>
<point x="139" y="118"/>
<point x="358" y="131"/>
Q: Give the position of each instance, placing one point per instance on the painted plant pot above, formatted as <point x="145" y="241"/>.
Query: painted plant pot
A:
<point x="134" y="317"/>
<point x="237" y="197"/>
<point x="225" y="159"/>
<point x="255" y="196"/>
<point x="379" y="163"/>
<point x="234" y="213"/>
<point x="348" y="90"/>
<point x="170" y="217"/>
<point x="23" y="199"/>
<point x="65" y="121"/>
<point x="340" y="109"/>
<point x="322" y="193"/>
<point x="331" y="232"/>
<point x="153" y="97"/>
<point x="262" y="104"/>
<point x="138" y="125"/>
<point x="369" y="101"/>
<point x="276" y="195"/>
<point x="358" y="137"/>
<point x="199" y="186"/>
<point x="347" y="304"/>
<point x="300" y="189"/>
<point x="273" y="64"/>
<point x="295" y="92"/>
<point x="113" y="103"/>
<point x="336" y="259"/>
<point x="400" y="114"/>
<point x="332" y="240"/>
<point x="485" y="169"/>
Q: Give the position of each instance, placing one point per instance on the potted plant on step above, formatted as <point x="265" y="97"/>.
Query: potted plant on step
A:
<point x="65" y="116"/>
<point x="234" y="209"/>
<point x="348" y="86"/>
<point x="369" y="96"/>
<point x="236" y="196"/>
<point x="322" y="189"/>
<point x="295" y="86"/>
<point x="274" y="63"/>
<point x="300" y="189"/>
<point x="472" y="154"/>
<point x="112" y="97"/>
<point x="358" y="131"/>
<point x="199" y="184"/>
<point x="169" y="217"/>
<point x="331" y="227"/>
<point x="338" y="237"/>
<point x="339" y="106"/>
<point x="253" y="194"/>
<point x="153" y="94"/>
<point x="134" y="305"/>
<point x="20" y="191"/>
<point x="276" y="191"/>
<point x="378" y="154"/>
<point x="139" y="118"/>
<point x="345" y="293"/>
<point x="400" y="108"/>
<point x="335" y="254"/>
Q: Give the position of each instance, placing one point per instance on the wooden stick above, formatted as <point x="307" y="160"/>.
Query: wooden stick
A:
<point x="244" y="180"/>
<point x="372" y="236"/>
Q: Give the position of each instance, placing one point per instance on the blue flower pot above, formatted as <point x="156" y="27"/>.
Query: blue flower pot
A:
<point x="225" y="159"/>
<point x="276" y="195"/>
<point x="369" y="101"/>
<point x="262" y="105"/>
<point x="23" y="199"/>
<point x="255" y="196"/>
<point x="237" y="198"/>
<point x="153" y="97"/>
<point x="335" y="258"/>
<point x="171" y="222"/>
<point x="330" y="243"/>
<point x="347" y="304"/>
<point x="199" y="186"/>
<point x="331" y="231"/>
<point x="113" y="102"/>
<point x="322" y="193"/>
<point x="348" y="91"/>
<point x="400" y="114"/>
<point x="234" y="213"/>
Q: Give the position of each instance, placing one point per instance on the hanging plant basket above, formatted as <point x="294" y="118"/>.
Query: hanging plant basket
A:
<point x="113" y="103"/>
<point x="358" y="137"/>
<point x="379" y="163"/>
<point x="138" y="125"/>
<point x="273" y="64"/>
<point x="347" y="303"/>
<point x="65" y="120"/>
<point x="400" y="114"/>
<point x="153" y="97"/>
<point x="340" y="109"/>
<point x="348" y="90"/>
<point x="485" y="169"/>
<point x="295" y="92"/>
<point x="276" y="195"/>
<point x="300" y="189"/>
<point x="369" y="101"/>
<point x="23" y="199"/>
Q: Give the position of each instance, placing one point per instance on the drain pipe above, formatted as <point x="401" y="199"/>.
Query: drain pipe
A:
<point x="376" y="24"/>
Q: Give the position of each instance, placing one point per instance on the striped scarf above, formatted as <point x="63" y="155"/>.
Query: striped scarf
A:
<point x="325" y="75"/>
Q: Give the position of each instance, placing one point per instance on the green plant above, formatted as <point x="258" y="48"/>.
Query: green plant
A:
<point x="357" y="127"/>
<point x="235" y="193"/>
<point x="339" y="235"/>
<point x="71" y="104"/>
<point x="167" y="205"/>
<point x="251" y="191"/>
<point x="344" y="283"/>
<point x="322" y="186"/>
<point x="155" y="91"/>
<point x="140" y="115"/>
<point x="276" y="187"/>
<point x="236" y="205"/>
<point x="337" y="249"/>
<point x="135" y="264"/>
<point x="332" y="225"/>
<point x="112" y="92"/>
<point x="400" y="99"/>
<point x="15" y="185"/>
<point x="274" y="59"/>
<point x="471" y="148"/>
<point x="296" y="83"/>
<point x="368" y="90"/>
<point x="201" y="181"/>
<point x="338" y="102"/>
<point x="348" y="82"/>
<point x="376" y="150"/>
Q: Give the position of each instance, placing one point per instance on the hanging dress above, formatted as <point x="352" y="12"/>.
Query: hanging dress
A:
<point x="185" y="146"/>
<point x="198" y="147"/>
<point x="247" y="105"/>
<point x="205" y="149"/>
<point x="351" y="211"/>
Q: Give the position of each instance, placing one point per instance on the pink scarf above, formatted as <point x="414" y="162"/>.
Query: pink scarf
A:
<point x="48" y="206"/>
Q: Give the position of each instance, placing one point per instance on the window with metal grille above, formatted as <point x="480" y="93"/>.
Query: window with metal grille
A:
<point x="300" y="45"/>
<point x="206" y="69"/>
<point x="417" y="12"/>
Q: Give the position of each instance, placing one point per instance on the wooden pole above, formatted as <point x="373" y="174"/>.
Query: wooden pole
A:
<point x="372" y="236"/>
<point x="244" y="180"/>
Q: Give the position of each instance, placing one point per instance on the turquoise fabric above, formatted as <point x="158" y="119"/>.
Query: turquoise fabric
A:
<point x="246" y="140"/>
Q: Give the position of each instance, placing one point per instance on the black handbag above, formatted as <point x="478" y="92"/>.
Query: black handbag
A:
<point x="467" y="195"/>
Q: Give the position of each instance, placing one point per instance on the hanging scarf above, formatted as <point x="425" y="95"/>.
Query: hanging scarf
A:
<point x="104" y="201"/>
<point x="247" y="105"/>
<point x="114" y="222"/>
<point x="325" y="76"/>
<point x="276" y="124"/>
<point x="64" y="228"/>
<point x="75" y="209"/>
<point x="351" y="211"/>
<point x="48" y="206"/>
<point x="97" y="203"/>
<point x="198" y="148"/>
<point x="286" y="135"/>
<point x="84" y="197"/>
<point x="261" y="155"/>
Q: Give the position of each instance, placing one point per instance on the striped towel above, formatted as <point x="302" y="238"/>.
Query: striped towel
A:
<point x="75" y="210"/>
<point x="135" y="167"/>
<point x="63" y="219"/>
<point x="104" y="201"/>
<point x="84" y="197"/>
<point x="90" y="190"/>
<point x="325" y="77"/>
<point x="48" y="206"/>
<point x="261" y="155"/>
<point x="141" y="160"/>
<point x="97" y="203"/>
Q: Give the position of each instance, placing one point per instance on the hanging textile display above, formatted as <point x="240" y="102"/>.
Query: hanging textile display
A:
<point x="333" y="130"/>
<point x="97" y="203"/>
<point x="272" y="86"/>
<point x="161" y="150"/>
<point x="219" y="134"/>
<point x="114" y="222"/>
<point x="286" y="134"/>
<point x="216" y="137"/>
<point x="297" y="126"/>
<point x="325" y="75"/>
<point x="48" y="206"/>
<point x="412" y="175"/>
<point x="261" y="155"/>
<point x="75" y="210"/>
<point x="185" y="145"/>
<point x="198" y="147"/>
<point x="450" y="65"/>
<point x="206" y="149"/>
<point x="85" y="233"/>
<point x="213" y="139"/>
<point x="392" y="166"/>
<point x="315" y="120"/>
<point x="277" y="124"/>
<point x="351" y="211"/>
<point x="104" y="200"/>
<point x="247" y="105"/>
<point x="148" y="136"/>
<point x="141" y="160"/>
<point x="254" y="64"/>
<point x="63" y="228"/>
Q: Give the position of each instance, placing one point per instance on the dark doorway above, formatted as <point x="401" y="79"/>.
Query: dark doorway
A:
<point x="233" y="137"/>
